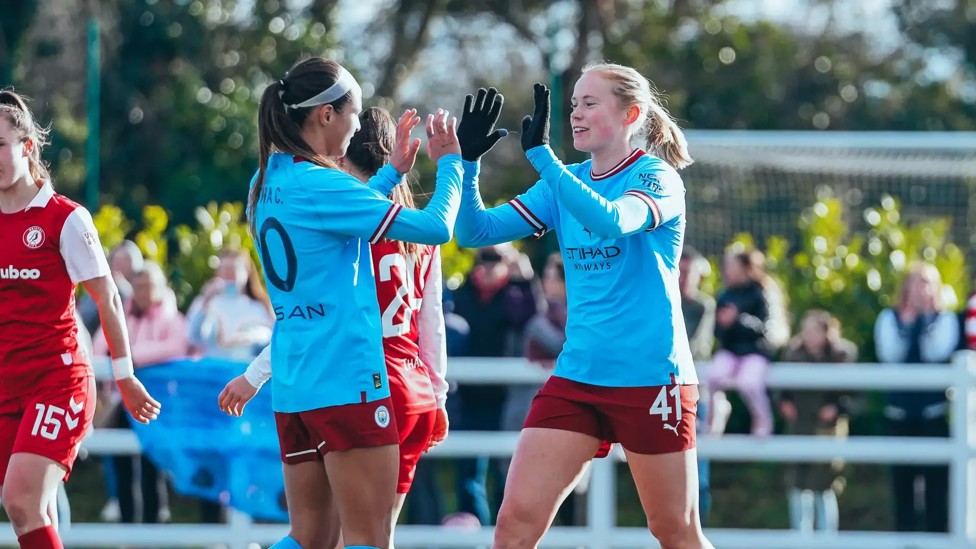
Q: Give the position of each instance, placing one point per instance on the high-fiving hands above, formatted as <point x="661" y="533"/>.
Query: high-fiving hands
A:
<point x="476" y="131"/>
<point x="535" y="128"/>
<point x="442" y="135"/>
<point x="405" y="148"/>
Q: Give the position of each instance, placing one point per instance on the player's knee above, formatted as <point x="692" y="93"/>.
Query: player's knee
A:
<point x="22" y="507"/>
<point x="675" y="529"/>
<point x="519" y="524"/>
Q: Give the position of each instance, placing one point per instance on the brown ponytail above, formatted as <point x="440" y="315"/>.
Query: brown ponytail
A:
<point x="280" y="127"/>
<point x="15" y="111"/>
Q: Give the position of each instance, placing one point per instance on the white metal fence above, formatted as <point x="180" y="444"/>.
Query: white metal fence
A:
<point x="958" y="451"/>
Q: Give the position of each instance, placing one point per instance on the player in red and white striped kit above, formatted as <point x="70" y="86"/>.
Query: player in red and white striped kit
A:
<point x="48" y="245"/>
<point x="409" y="289"/>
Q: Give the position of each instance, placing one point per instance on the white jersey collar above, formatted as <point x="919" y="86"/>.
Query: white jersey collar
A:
<point x="43" y="197"/>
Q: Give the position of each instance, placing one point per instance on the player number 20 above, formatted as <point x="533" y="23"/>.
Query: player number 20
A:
<point x="661" y="407"/>
<point x="404" y="298"/>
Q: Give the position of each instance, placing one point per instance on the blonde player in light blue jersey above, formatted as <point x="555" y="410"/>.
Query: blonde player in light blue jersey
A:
<point x="625" y="374"/>
<point x="313" y="225"/>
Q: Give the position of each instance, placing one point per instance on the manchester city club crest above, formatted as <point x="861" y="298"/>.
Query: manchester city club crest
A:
<point x="34" y="237"/>
<point x="382" y="416"/>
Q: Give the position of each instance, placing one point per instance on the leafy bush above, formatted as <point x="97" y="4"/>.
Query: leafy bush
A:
<point x="856" y="273"/>
<point x="191" y="260"/>
<point x="851" y="272"/>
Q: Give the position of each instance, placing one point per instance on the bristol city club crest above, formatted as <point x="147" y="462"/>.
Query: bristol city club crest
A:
<point x="34" y="237"/>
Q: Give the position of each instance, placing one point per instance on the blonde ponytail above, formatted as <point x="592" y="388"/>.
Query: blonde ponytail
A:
<point x="664" y="138"/>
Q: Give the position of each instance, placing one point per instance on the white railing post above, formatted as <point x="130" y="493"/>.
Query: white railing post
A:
<point x="958" y="452"/>
<point x="601" y="508"/>
<point x="240" y="526"/>
<point x="962" y="471"/>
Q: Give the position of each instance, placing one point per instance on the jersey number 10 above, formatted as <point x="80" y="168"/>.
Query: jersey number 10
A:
<point x="286" y="283"/>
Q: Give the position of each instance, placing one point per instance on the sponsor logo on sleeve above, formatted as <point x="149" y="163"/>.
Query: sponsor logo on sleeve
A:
<point x="651" y="182"/>
<point x="91" y="243"/>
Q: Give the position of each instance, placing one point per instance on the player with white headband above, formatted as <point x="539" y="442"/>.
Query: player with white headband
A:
<point x="313" y="225"/>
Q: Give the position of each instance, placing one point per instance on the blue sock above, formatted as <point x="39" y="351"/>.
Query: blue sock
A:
<point x="287" y="542"/>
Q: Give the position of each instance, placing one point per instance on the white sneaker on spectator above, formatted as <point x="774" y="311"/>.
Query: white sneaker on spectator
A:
<point x="111" y="511"/>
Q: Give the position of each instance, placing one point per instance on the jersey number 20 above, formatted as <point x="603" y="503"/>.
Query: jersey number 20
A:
<point x="404" y="297"/>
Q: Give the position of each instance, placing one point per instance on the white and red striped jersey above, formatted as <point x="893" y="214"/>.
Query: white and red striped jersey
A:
<point x="409" y="290"/>
<point x="45" y="251"/>
<point x="970" y="322"/>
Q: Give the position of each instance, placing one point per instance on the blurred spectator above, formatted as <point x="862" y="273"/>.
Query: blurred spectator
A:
<point x="697" y="308"/>
<point x="814" y="487"/>
<point x="124" y="260"/>
<point x="157" y="333"/>
<point x="698" y="311"/>
<point x="84" y="336"/>
<point x="425" y="501"/>
<point x="232" y="317"/>
<point x="750" y="325"/>
<point x="497" y="299"/>
<point x="918" y="331"/>
<point x="543" y="340"/>
<point x="968" y="325"/>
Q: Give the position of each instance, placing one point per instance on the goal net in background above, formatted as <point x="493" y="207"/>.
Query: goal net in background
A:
<point x="759" y="182"/>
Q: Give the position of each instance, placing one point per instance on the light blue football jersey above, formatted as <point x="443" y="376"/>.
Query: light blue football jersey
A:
<point x="314" y="227"/>
<point x="625" y="327"/>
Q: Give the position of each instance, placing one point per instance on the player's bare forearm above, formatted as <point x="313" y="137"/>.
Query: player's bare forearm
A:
<point x="110" y="313"/>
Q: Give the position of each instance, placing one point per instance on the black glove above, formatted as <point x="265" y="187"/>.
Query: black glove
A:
<point x="477" y="121"/>
<point x="535" y="128"/>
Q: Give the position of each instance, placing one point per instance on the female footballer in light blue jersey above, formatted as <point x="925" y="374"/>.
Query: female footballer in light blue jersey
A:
<point x="625" y="373"/>
<point x="313" y="225"/>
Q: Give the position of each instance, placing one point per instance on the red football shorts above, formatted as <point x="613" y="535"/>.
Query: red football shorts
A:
<point x="49" y="420"/>
<point x="415" y="433"/>
<point x="644" y="420"/>
<point x="307" y="436"/>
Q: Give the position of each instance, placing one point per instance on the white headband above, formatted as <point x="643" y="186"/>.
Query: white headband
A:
<point x="341" y="87"/>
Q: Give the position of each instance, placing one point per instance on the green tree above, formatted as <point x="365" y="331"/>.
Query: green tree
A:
<point x="855" y="273"/>
<point x="14" y="23"/>
<point x="181" y="86"/>
<point x="723" y="72"/>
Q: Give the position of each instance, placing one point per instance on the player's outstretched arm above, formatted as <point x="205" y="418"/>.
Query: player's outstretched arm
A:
<point x="240" y="390"/>
<point x="136" y="399"/>
<point x="402" y="158"/>
<point x="435" y="223"/>
<point x="476" y="225"/>
<point x="607" y="219"/>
